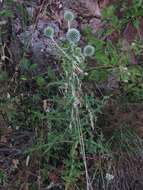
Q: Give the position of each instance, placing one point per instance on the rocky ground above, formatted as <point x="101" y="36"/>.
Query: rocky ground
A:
<point x="14" y="142"/>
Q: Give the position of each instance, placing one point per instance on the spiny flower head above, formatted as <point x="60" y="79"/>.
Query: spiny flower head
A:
<point x="88" y="51"/>
<point x="68" y="16"/>
<point x="49" y="32"/>
<point x="73" y="35"/>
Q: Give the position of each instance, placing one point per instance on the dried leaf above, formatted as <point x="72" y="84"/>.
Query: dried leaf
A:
<point x="130" y="32"/>
<point x="15" y="163"/>
<point x="3" y="139"/>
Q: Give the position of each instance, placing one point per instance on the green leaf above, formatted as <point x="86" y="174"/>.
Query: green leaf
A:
<point x="40" y="81"/>
<point x="24" y="78"/>
<point x="33" y="66"/>
<point x="25" y="64"/>
<point x="6" y="13"/>
<point x="102" y="58"/>
<point x="97" y="43"/>
<point x="98" y="75"/>
<point x="3" y="76"/>
<point x="108" y="12"/>
<point x="136" y="23"/>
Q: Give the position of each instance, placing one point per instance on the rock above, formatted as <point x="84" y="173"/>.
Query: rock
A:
<point x="41" y="47"/>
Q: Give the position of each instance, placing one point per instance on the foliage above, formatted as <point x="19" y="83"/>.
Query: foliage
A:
<point x="112" y="59"/>
<point x="62" y="107"/>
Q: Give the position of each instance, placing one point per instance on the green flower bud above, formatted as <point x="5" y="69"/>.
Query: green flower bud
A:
<point x="68" y="16"/>
<point x="88" y="51"/>
<point x="78" y="50"/>
<point x="49" y="32"/>
<point x="73" y="35"/>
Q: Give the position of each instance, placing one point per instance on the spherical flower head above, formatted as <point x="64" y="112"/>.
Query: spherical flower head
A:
<point x="78" y="50"/>
<point x="49" y="32"/>
<point x="68" y="16"/>
<point x="73" y="35"/>
<point x="88" y="51"/>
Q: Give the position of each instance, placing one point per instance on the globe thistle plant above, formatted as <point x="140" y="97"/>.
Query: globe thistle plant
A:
<point x="88" y="51"/>
<point x="49" y="32"/>
<point x="73" y="35"/>
<point x="73" y="68"/>
<point x="68" y="16"/>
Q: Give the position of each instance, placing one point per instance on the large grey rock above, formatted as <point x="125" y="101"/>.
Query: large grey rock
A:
<point x="40" y="47"/>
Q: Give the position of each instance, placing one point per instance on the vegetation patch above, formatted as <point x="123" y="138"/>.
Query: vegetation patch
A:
<point x="71" y="85"/>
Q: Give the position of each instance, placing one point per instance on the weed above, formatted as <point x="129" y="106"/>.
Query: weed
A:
<point x="2" y="178"/>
